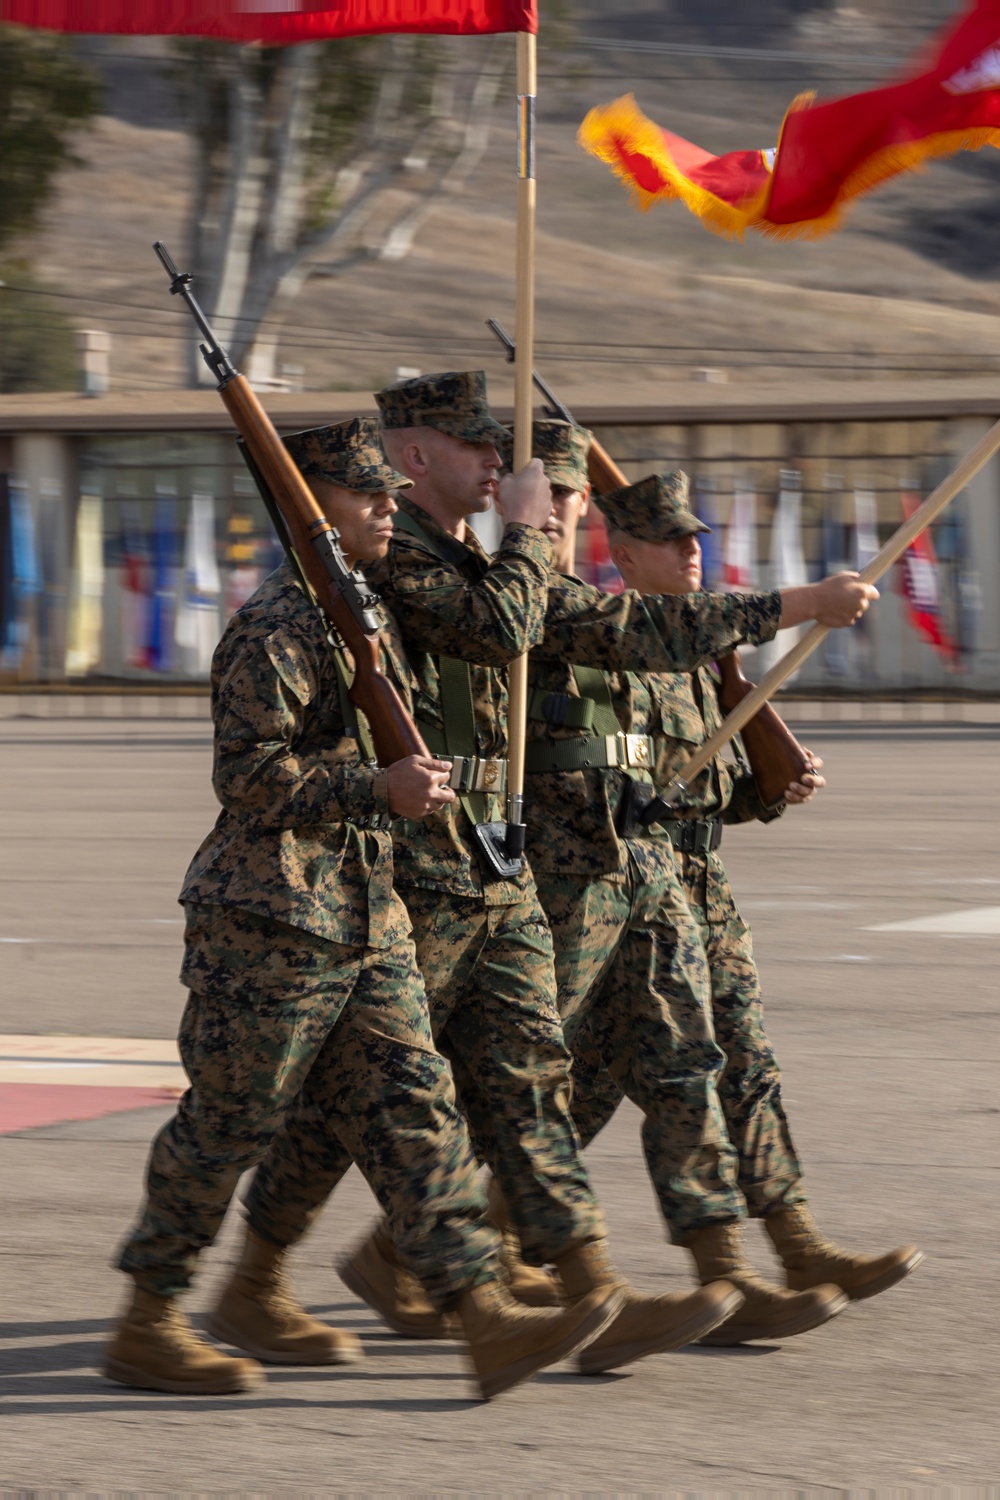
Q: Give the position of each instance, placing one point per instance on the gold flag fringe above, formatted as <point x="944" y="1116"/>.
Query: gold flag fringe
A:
<point x="611" y="130"/>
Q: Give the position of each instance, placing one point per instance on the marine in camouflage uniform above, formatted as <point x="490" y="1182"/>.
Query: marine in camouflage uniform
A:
<point x="482" y="942"/>
<point x="482" y="946"/>
<point x="304" y="992"/>
<point x="608" y="933"/>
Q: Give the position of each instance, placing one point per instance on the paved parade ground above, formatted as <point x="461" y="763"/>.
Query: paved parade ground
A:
<point x="876" y="915"/>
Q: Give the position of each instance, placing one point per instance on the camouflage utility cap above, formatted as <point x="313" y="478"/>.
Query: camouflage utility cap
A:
<point x="348" y="454"/>
<point x="563" y="449"/>
<point x="454" y="403"/>
<point x="653" y="510"/>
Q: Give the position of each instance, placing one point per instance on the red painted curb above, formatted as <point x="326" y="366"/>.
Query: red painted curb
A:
<point x="26" y="1106"/>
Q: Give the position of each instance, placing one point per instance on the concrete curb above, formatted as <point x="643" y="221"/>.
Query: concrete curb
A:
<point x="111" y="705"/>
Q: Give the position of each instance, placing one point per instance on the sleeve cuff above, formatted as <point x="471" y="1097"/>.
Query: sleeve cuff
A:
<point x="762" y="612"/>
<point x="528" y="541"/>
<point x="367" y="798"/>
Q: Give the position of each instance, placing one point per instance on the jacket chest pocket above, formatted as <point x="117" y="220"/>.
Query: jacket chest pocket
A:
<point x="679" y="720"/>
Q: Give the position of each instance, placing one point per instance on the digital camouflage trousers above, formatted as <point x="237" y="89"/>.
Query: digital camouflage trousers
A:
<point x="287" y="1038"/>
<point x="490" y="985"/>
<point x="633" y="989"/>
<point x="749" y="1086"/>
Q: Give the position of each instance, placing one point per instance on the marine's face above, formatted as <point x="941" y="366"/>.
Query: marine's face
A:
<point x="568" y="509"/>
<point x="672" y="567"/>
<point x="467" y="473"/>
<point x="363" y="518"/>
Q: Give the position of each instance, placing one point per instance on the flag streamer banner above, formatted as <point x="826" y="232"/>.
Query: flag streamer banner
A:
<point x="273" y="22"/>
<point x="921" y="588"/>
<point x="196" y="629"/>
<point x="739" y="565"/>
<point x="706" y="508"/>
<point x="86" y="605"/>
<point x="22" y="575"/>
<point x="787" y="562"/>
<point x="163" y="603"/>
<point x="828" y="153"/>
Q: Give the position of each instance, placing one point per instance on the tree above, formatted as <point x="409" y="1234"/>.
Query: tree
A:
<point x="37" y="348"/>
<point x="311" y="158"/>
<point x="45" y="94"/>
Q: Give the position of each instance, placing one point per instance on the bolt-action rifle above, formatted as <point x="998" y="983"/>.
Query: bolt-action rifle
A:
<point x="774" y="754"/>
<point x="311" y="543"/>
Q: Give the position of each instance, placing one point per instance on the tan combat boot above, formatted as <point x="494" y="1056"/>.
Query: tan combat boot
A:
<point x="156" y="1349"/>
<point x="529" y="1284"/>
<point x="509" y="1342"/>
<point x="768" y="1312"/>
<point x="809" y="1259"/>
<point x="644" y="1325"/>
<point x="375" y="1272"/>
<point x="258" y="1312"/>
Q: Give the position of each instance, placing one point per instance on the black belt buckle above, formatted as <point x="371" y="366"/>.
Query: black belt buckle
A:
<point x="638" y="808"/>
<point x="697" y="836"/>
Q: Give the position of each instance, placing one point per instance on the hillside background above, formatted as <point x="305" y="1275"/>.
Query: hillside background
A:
<point x="626" y="302"/>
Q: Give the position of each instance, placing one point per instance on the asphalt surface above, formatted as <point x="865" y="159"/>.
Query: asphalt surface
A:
<point x="890" y="1043"/>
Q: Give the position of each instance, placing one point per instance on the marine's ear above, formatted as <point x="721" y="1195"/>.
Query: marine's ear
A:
<point x="622" y="553"/>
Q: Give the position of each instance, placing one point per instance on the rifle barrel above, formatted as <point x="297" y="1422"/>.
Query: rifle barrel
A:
<point x="556" y="408"/>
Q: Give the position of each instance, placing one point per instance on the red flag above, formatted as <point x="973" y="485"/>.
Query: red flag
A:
<point x="920" y="589"/>
<point x="595" y="566"/>
<point x="827" y="153"/>
<point x="273" y="22"/>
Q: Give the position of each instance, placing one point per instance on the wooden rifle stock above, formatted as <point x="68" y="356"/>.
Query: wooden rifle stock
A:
<point x="310" y="534"/>
<point x="310" y="540"/>
<point x="775" y="756"/>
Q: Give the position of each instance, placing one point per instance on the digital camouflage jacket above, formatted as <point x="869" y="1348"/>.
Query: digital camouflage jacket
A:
<point x="486" y="621"/>
<point x="570" y="814"/>
<point x="687" y="712"/>
<point x="440" y="611"/>
<point x="290" y="779"/>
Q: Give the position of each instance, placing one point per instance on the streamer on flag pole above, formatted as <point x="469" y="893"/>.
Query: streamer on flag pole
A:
<point x="787" y="563"/>
<point x="706" y="508"/>
<point x="163" y="603"/>
<point x="827" y="153"/>
<point x="23" y="582"/>
<point x="865" y="548"/>
<point x="196" y="630"/>
<point x="86" y="604"/>
<point x="599" y="569"/>
<point x="739" y="558"/>
<point x="921" y="588"/>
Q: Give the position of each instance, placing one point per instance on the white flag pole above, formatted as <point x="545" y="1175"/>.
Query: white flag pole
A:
<point x="524" y="323"/>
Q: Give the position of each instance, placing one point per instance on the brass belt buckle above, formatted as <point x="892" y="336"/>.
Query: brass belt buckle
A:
<point x="638" y="751"/>
<point x="491" y="775"/>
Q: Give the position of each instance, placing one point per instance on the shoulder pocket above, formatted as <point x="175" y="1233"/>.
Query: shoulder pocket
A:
<point x="292" y="663"/>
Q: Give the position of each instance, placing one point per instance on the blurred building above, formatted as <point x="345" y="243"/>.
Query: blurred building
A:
<point x="130" y="531"/>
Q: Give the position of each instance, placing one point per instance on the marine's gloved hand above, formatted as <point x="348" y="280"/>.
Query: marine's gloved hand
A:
<point x="811" y="783"/>
<point x="418" y="785"/>
<point x="526" y="498"/>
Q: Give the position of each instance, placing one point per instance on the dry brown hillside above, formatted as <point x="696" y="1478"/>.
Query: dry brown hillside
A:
<point x="624" y="300"/>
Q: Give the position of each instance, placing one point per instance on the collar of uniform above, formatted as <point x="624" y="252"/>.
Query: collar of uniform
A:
<point x="437" y="532"/>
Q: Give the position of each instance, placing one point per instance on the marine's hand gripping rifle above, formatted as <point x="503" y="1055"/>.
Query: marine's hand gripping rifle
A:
<point x="776" y="758"/>
<point x="310" y="541"/>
